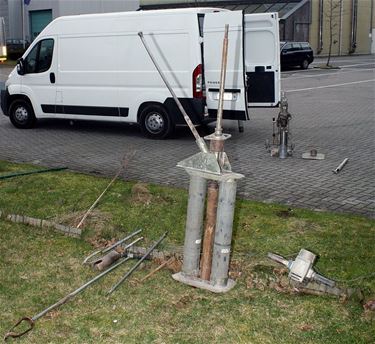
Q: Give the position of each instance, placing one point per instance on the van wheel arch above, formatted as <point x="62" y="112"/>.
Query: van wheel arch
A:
<point x="152" y="114"/>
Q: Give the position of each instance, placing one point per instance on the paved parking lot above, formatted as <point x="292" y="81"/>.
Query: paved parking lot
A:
<point x="333" y="111"/>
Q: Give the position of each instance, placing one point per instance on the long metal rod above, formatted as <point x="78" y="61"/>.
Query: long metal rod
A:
<point x="224" y="59"/>
<point x="18" y="174"/>
<point x="105" y="250"/>
<point x="123" y="166"/>
<point x="137" y="264"/>
<point x="200" y="142"/>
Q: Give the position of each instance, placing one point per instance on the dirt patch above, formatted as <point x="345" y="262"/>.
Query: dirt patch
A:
<point x="285" y="213"/>
<point x="186" y="300"/>
<point x="302" y="226"/>
<point x="97" y="220"/>
<point x="141" y="194"/>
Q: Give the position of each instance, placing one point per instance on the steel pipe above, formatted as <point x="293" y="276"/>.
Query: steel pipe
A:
<point x="223" y="233"/>
<point x="194" y="225"/>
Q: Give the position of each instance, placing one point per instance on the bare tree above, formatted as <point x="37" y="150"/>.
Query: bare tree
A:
<point x="332" y="14"/>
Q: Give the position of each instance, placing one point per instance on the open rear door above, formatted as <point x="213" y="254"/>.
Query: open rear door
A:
<point x="235" y="97"/>
<point x="262" y="59"/>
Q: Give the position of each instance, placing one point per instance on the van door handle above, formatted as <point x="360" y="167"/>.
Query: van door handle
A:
<point x="52" y="78"/>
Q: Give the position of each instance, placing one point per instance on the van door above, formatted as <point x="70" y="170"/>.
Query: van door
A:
<point x="39" y="79"/>
<point x="235" y="97"/>
<point x="262" y="59"/>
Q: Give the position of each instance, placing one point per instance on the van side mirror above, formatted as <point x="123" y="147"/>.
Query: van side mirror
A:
<point x="20" y="66"/>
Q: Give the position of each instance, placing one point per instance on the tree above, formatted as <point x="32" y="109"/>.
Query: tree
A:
<point x="332" y="14"/>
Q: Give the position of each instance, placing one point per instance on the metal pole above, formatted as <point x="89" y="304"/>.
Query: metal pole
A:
<point x="200" y="142"/>
<point x="224" y="59"/>
<point x="23" y="22"/>
<point x="283" y="150"/>
<point x="223" y="233"/>
<point x="107" y="249"/>
<point x="209" y="230"/>
<point x="194" y="225"/>
<point x="341" y="166"/>
<point x="137" y="264"/>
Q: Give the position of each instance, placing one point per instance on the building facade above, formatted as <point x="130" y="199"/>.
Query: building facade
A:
<point x="346" y="25"/>
<point x="349" y="24"/>
<point x="25" y="19"/>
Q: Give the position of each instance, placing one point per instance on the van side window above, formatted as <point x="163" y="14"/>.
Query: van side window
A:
<point x="40" y="57"/>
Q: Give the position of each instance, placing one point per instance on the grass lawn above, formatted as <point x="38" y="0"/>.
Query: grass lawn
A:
<point x="39" y="266"/>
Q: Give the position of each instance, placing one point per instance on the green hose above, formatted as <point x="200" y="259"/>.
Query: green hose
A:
<point x="18" y="174"/>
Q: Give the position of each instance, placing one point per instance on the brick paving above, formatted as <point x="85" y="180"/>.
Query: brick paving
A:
<point x="338" y="121"/>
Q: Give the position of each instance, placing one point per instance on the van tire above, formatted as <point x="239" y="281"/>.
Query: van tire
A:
<point x="21" y="114"/>
<point x="305" y="64"/>
<point x="155" y="122"/>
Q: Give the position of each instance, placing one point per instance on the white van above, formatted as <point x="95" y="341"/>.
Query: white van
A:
<point x="94" y="67"/>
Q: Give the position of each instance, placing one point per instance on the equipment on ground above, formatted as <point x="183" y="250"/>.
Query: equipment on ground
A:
<point x="281" y="146"/>
<point x="90" y="258"/>
<point x="137" y="264"/>
<point x="208" y="267"/>
<point x="65" y="299"/>
<point x="301" y="269"/>
<point x="341" y="166"/>
<point x="313" y="155"/>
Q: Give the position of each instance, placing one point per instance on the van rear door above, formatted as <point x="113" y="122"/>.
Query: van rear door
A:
<point x="235" y="97"/>
<point x="262" y="59"/>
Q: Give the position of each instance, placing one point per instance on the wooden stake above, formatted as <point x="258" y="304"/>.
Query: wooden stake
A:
<point x="157" y="269"/>
<point x="209" y="230"/>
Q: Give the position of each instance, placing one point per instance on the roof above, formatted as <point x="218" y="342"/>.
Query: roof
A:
<point x="285" y="8"/>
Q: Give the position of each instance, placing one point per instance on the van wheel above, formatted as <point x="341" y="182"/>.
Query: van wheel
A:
<point x="21" y="114"/>
<point x="305" y="64"/>
<point x="155" y="122"/>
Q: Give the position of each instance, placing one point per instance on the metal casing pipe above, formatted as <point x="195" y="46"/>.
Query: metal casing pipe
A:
<point x="194" y="225"/>
<point x="283" y="149"/>
<point x="223" y="233"/>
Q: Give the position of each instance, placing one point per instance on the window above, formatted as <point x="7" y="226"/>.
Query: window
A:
<point x="40" y="57"/>
<point x="296" y="46"/>
<point x="305" y="46"/>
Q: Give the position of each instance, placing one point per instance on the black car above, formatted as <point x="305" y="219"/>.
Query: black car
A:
<point x="16" y="48"/>
<point x="296" y="54"/>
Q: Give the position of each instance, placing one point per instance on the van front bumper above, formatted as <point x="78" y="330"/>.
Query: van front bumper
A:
<point x="4" y="101"/>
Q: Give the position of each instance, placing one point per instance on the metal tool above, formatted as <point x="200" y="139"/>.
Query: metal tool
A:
<point x="341" y="166"/>
<point x="207" y="267"/>
<point x="137" y="264"/>
<point x="313" y="155"/>
<point x="200" y="142"/>
<point x="300" y="269"/>
<point x="281" y="145"/>
<point x="89" y="260"/>
<point x="31" y="320"/>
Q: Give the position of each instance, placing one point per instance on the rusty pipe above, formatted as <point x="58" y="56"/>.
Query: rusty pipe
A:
<point x="224" y="60"/>
<point x="209" y="230"/>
